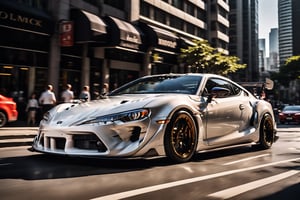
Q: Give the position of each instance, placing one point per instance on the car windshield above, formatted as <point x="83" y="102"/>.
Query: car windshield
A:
<point x="161" y="84"/>
<point x="292" y="108"/>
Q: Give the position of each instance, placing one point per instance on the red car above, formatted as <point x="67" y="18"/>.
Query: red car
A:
<point x="8" y="110"/>
<point x="290" y="114"/>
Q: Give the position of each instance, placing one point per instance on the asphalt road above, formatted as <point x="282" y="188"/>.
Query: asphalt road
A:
<point x="240" y="173"/>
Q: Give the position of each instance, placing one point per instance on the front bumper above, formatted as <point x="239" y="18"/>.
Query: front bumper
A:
<point x="113" y="140"/>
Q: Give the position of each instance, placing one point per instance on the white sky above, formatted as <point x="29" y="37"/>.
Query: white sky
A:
<point x="268" y="18"/>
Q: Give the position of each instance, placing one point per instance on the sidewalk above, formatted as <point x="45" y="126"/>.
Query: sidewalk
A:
<point x="17" y="133"/>
<point x="19" y="124"/>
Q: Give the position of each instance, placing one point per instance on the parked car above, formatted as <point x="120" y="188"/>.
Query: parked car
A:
<point x="290" y="113"/>
<point x="173" y="115"/>
<point x="8" y="110"/>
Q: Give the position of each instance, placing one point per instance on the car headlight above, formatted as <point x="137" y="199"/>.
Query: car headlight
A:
<point x="46" y="116"/>
<point x="128" y="116"/>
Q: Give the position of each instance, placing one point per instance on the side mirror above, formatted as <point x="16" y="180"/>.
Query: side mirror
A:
<point x="218" y="92"/>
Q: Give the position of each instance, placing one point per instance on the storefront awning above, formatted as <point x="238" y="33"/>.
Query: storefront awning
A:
<point x="122" y="33"/>
<point x="184" y="43"/>
<point x="87" y="26"/>
<point x="23" y="18"/>
<point x="159" y="38"/>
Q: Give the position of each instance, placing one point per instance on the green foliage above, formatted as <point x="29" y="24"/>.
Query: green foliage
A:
<point x="291" y="68"/>
<point x="289" y="71"/>
<point x="205" y="59"/>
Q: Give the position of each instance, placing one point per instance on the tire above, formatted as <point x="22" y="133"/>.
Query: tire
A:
<point x="266" y="132"/>
<point x="180" y="139"/>
<point x="3" y="119"/>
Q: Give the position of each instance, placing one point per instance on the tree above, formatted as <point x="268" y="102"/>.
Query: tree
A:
<point x="204" y="58"/>
<point x="291" y="68"/>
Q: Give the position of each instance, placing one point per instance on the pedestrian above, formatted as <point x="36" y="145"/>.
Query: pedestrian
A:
<point x="47" y="99"/>
<point x="31" y="109"/>
<point x="68" y="94"/>
<point x="105" y="89"/>
<point x="85" y="94"/>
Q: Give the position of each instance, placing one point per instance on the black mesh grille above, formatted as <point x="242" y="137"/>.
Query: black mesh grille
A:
<point x="88" y="142"/>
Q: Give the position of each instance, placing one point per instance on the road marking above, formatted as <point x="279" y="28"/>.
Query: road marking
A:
<point x="234" y="191"/>
<point x="245" y="159"/>
<point x="154" y="188"/>
<point x="3" y="164"/>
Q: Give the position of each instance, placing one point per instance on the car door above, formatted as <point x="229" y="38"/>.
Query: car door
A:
<point x="226" y="117"/>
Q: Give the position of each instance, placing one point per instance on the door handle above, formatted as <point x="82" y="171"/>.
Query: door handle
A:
<point x="242" y="107"/>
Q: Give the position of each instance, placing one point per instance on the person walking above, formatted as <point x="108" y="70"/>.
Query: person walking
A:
<point x="105" y="89"/>
<point x="85" y="94"/>
<point x="31" y="109"/>
<point x="68" y="94"/>
<point x="47" y="99"/>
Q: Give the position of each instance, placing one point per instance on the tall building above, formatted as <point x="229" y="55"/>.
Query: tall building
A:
<point x="88" y="42"/>
<point x="288" y="34"/>
<point x="218" y="24"/>
<point x="273" y="50"/>
<point x="244" y="36"/>
<point x="285" y="24"/>
<point x="262" y="55"/>
<point x="289" y="29"/>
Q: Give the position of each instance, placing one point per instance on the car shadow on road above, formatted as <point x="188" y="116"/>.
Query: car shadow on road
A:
<point x="45" y="166"/>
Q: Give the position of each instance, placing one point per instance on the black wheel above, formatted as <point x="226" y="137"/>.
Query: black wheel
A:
<point x="3" y="119"/>
<point x="180" y="139"/>
<point x="266" y="131"/>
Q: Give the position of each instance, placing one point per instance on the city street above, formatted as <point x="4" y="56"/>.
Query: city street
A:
<point x="240" y="173"/>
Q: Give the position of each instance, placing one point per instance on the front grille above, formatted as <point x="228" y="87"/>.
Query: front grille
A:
<point x="60" y="143"/>
<point x="54" y="143"/>
<point x="88" y="142"/>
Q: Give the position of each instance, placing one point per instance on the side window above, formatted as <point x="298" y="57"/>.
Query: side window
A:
<point x="215" y="82"/>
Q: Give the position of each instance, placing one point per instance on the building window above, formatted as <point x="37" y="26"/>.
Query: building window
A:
<point x="190" y="8"/>
<point x="145" y="9"/>
<point x="223" y="28"/>
<point x="200" y="32"/>
<point x="160" y="16"/>
<point x="116" y="4"/>
<point x="190" y="28"/>
<point x="178" y="4"/>
<point x="176" y="23"/>
<point x="39" y="4"/>
<point x="223" y="13"/>
<point x="201" y="14"/>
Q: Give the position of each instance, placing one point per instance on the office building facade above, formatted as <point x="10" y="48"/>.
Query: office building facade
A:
<point x="289" y="29"/>
<point x="273" y="50"/>
<point x="86" y="42"/>
<point x="244" y="37"/>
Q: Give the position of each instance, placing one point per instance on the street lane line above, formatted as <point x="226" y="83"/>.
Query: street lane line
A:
<point x="154" y="188"/>
<point x="246" y="159"/>
<point x="234" y="191"/>
<point x="4" y="164"/>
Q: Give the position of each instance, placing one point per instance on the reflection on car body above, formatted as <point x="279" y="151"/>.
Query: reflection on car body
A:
<point x="173" y="115"/>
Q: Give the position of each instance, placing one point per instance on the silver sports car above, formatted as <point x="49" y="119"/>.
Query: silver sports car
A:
<point x="173" y="115"/>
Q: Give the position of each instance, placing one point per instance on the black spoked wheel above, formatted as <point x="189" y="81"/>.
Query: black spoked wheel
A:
<point x="3" y="119"/>
<point x="266" y="132"/>
<point x="181" y="137"/>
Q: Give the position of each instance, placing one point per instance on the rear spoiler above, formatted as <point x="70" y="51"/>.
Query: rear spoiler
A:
<point x="268" y="84"/>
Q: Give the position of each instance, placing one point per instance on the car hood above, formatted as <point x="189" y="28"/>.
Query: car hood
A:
<point x="68" y="113"/>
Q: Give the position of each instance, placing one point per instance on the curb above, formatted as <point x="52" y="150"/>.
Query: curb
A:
<point x="16" y="143"/>
<point x="17" y="136"/>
